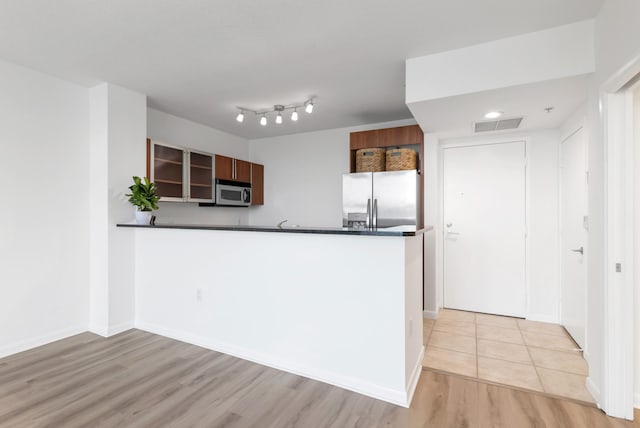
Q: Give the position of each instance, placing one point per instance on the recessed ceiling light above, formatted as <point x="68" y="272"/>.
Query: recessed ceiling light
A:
<point x="493" y="115"/>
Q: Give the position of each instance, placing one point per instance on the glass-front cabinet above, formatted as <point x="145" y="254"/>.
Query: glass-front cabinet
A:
<point x="200" y="177"/>
<point x="168" y="171"/>
<point x="181" y="175"/>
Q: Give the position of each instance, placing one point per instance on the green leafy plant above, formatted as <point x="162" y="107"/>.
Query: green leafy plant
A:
<point x="143" y="194"/>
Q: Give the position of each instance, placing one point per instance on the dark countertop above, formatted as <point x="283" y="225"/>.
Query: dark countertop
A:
<point x="391" y="231"/>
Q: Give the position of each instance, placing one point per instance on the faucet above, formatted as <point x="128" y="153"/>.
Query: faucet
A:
<point x="281" y="223"/>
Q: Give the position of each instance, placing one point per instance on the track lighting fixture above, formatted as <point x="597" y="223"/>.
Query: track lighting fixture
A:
<point x="278" y="109"/>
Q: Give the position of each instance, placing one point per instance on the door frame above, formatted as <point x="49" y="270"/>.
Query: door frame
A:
<point x="579" y="125"/>
<point x="616" y="101"/>
<point x="440" y="236"/>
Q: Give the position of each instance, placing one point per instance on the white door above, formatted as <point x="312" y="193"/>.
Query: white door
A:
<point x="573" y="223"/>
<point x="485" y="226"/>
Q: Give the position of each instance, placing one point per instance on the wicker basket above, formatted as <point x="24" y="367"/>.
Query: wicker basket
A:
<point x="401" y="159"/>
<point x="370" y="160"/>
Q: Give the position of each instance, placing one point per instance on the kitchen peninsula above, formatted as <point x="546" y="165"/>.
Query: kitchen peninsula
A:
<point x="343" y="306"/>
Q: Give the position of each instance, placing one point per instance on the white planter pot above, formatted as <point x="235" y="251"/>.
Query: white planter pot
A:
<point x="143" y="217"/>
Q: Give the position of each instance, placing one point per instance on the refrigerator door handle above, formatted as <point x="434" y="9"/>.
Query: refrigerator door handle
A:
<point x="375" y="214"/>
<point x="368" y="220"/>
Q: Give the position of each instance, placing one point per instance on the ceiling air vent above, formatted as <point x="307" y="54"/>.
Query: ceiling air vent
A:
<point x="497" y="125"/>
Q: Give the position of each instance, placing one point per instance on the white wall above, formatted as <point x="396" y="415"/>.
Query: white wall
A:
<point x="617" y="42"/>
<point x="432" y="214"/>
<point x="549" y="54"/>
<point x="181" y="132"/>
<point x="303" y="175"/>
<point x="118" y="141"/>
<point x="542" y="221"/>
<point x="636" y="107"/>
<point x="44" y="230"/>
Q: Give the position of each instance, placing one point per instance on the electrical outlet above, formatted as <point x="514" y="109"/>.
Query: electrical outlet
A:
<point x="199" y="294"/>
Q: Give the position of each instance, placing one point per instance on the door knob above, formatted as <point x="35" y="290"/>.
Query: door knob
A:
<point x="579" y="250"/>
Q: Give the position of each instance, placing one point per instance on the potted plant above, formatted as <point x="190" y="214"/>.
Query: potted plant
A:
<point x="143" y="197"/>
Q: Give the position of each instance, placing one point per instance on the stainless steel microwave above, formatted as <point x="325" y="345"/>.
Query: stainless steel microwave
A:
<point x="233" y="193"/>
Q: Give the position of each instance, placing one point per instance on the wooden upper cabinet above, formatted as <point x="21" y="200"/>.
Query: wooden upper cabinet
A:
<point x="233" y="169"/>
<point x="224" y="167"/>
<point x="389" y="137"/>
<point x="242" y="171"/>
<point x="257" y="184"/>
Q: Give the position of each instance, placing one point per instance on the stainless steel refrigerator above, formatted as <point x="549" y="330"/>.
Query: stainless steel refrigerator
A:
<point x="380" y="199"/>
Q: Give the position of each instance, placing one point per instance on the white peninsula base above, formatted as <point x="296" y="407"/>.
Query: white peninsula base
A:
<point x="342" y="309"/>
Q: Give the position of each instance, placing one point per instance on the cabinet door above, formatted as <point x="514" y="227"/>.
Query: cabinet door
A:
<point x="257" y="184"/>
<point x="224" y="167"/>
<point x="200" y="177"/>
<point x="243" y="171"/>
<point x="168" y="172"/>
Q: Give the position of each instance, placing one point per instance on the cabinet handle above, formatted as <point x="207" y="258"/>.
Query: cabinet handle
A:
<point x="234" y="170"/>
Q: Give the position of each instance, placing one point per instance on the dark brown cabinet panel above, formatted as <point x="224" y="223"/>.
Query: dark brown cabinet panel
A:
<point x="243" y="171"/>
<point x="389" y="137"/>
<point x="233" y="169"/>
<point x="257" y="184"/>
<point x="224" y="167"/>
<point x="200" y="176"/>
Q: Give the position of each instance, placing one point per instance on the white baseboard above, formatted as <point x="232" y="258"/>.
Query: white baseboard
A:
<point x="636" y="400"/>
<point x="415" y="377"/>
<point x="25" y="345"/>
<point x="594" y="390"/>
<point x="543" y="318"/>
<point x="432" y="315"/>
<point x="115" y="329"/>
<point x="393" y="396"/>
<point x="112" y="329"/>
<point x="99" y="331"/>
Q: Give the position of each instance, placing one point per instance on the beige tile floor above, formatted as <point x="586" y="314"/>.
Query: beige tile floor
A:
<point x="511" y="351"/>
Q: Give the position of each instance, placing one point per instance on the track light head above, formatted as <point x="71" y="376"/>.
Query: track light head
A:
<point x="294" y="115"/>
<point x="279" y="108"/>
<point x="263" y="120"/>
<point x="240" y="117"/>
<point x="309" y="107"/>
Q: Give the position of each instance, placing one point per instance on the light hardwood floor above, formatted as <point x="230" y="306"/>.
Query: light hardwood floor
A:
<point x="138" y="379"/>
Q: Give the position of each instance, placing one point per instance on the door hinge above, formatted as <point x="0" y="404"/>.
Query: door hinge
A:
<point x="618" y="267"/>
